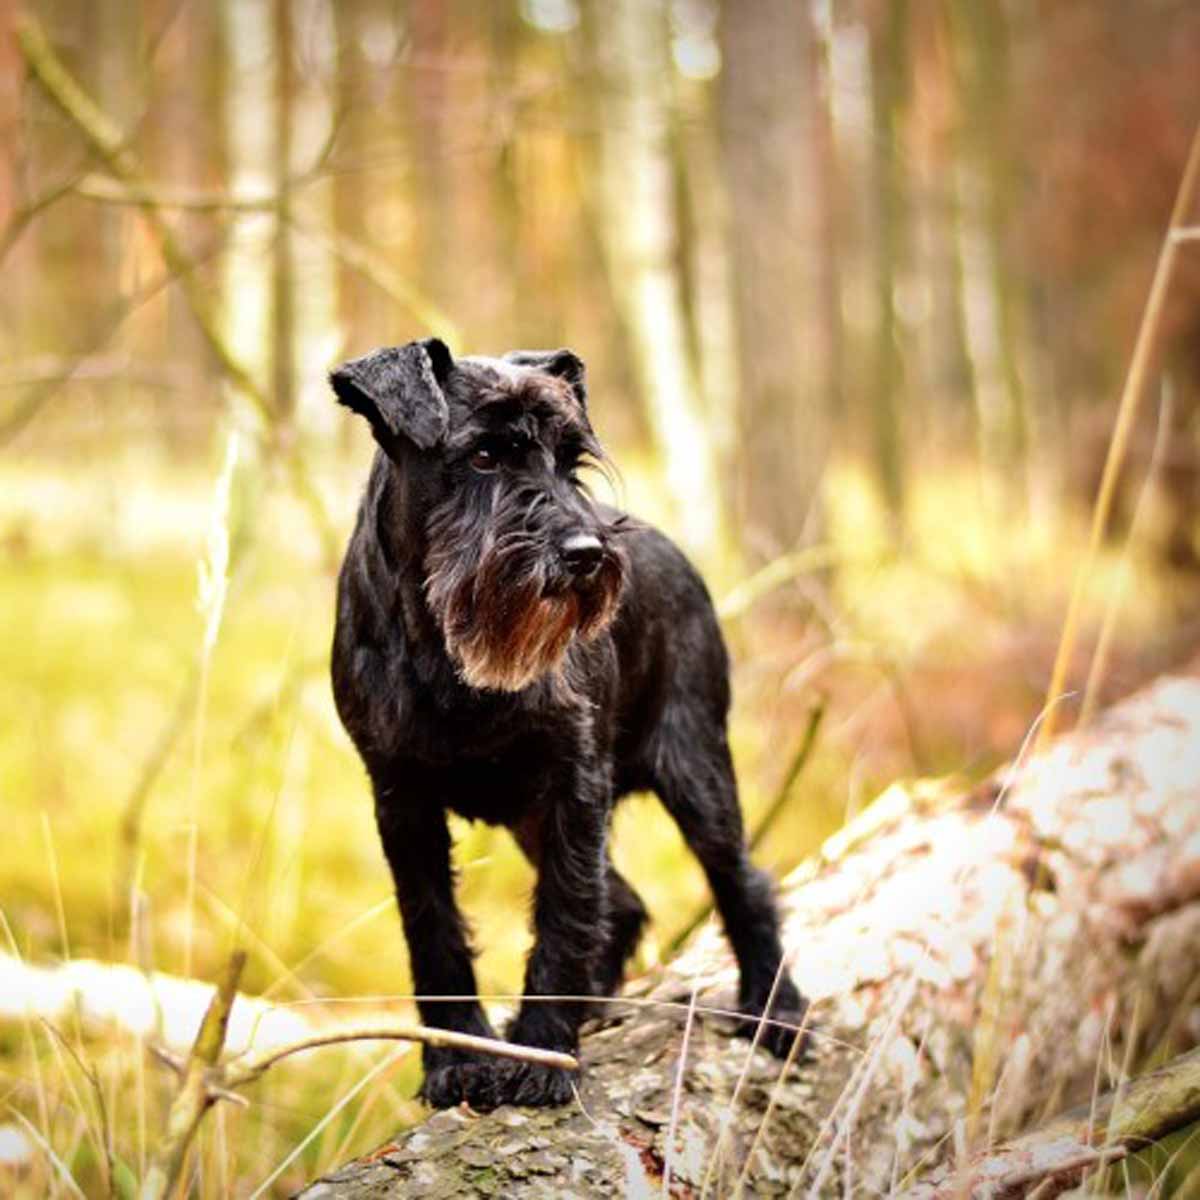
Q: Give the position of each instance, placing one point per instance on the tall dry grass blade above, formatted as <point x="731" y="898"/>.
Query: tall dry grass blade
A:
<point x="133" y="811"/>
<point x="865" y="1075"/>
<point x="1099" y="667"/>
<point x="319" y="1127"/>
<point x="212" y="590"/>
<point x="57" y="1163"/>
<point x="56" y="1039"/>
<point x="740" y="1187"/>
<point x="35" y="1063"/>
<point x="1135" y="385"/>
<point x="677" y="1095"/>
<point x="60" y="912"/>
<point x="726" y="1122"/>
<point x="1189" y="1189"/>
<point x="328" y="1157"/>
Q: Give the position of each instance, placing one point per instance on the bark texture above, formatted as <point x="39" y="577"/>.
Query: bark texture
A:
<point x="1106" y="1130"/>
<point x="980" y="959"/>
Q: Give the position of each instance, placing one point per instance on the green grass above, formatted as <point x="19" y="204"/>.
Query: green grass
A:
<point x="101" y="634"/>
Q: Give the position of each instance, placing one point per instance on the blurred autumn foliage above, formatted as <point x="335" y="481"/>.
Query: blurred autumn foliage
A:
<point x="888" y="228"/>
<point x="857" y="283"/>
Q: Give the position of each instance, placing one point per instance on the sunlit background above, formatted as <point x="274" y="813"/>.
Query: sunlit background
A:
<point x="856" y="282"/>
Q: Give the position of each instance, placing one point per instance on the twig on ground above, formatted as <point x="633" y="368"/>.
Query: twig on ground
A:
<point x="237" y="1076"/>
<point x="206" y="1079"/>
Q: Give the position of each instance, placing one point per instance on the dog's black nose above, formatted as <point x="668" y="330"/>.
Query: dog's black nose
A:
<point x="582" y="553"/>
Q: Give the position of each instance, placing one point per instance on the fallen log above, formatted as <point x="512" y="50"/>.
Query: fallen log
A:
<point x="1129" y="1118"/>
<point x="979" y="960"/>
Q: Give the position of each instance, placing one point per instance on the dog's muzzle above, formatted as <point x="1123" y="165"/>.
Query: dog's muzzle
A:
<point x="582" y="553"/>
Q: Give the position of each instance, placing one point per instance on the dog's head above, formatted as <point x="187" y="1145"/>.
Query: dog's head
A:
<point x="518" y="559"/>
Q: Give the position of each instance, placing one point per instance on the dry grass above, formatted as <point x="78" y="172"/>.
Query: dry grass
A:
<point x="257" y="830"/>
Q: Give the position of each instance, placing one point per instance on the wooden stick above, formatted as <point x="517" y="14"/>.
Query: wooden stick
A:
<point x="195" y="1094"/>
<point x="234" y="1076"/>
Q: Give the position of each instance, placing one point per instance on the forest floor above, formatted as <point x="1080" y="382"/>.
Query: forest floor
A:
<point x="231" y="802"/>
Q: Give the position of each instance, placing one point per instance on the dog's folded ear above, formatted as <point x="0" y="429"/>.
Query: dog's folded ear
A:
<point x="564" y="364"/>
<point x="398" y="389"/>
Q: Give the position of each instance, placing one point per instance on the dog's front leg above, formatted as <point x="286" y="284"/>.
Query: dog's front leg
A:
<point x="565" y="838"/>
<point x="416" y="842"/>
<point x="570" y="912"/>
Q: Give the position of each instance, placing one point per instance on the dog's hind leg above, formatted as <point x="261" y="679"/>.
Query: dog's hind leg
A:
<point x="626" y="919"/>
<point x="693" y="776"/>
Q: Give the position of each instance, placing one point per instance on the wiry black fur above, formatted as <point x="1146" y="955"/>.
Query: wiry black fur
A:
<point x="478" y="671"/>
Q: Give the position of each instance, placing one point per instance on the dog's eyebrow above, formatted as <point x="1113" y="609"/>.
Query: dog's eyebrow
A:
<point x="546" y="407"/>
<point x="499" y="404"/>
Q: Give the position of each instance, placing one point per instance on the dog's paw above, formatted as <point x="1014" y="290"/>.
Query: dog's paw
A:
<point x="445" y="1086"/>
<point x="489" y="1083"/>
<point x="784" y="1023"/>
<point x="513" y="1082"/>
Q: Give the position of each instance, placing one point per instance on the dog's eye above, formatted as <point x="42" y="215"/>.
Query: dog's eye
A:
<point x="485" y="459"/>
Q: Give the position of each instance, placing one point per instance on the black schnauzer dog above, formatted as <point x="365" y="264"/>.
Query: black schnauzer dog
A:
<point x="513" y="651"/>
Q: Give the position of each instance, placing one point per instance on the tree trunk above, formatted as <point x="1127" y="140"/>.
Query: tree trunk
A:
<point x="772" y="142"/>
<point x="978" y="959"/>
<point x="889" y="88"/>
<point x="245" y="309"/>
<point x="640" y="241"/>
<point x="283" y="274"/>
<point x="988" y="179"/>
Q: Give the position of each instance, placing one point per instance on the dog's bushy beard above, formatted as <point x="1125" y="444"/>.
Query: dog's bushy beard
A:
<point x="507" y="608"/>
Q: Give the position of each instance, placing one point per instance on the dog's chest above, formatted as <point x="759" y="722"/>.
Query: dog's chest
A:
<point x="499" y="792"/>
<point x="486" y="762"/>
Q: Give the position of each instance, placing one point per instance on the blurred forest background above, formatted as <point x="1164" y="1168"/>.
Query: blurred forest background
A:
<point x="857" y="283"/>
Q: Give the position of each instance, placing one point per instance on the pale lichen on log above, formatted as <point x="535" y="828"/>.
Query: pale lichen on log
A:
<point x="980" y="959"/>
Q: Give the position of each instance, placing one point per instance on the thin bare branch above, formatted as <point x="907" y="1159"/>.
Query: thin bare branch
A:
<point x="195" y="1093"/>
<point x="775" y="574"/>
<point x="370" y="265"/>
<point x="107" y="191"/>
<point x="23" y="216"/>
<point x="105" y="140"/>
<point x="254" y="1068"/>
